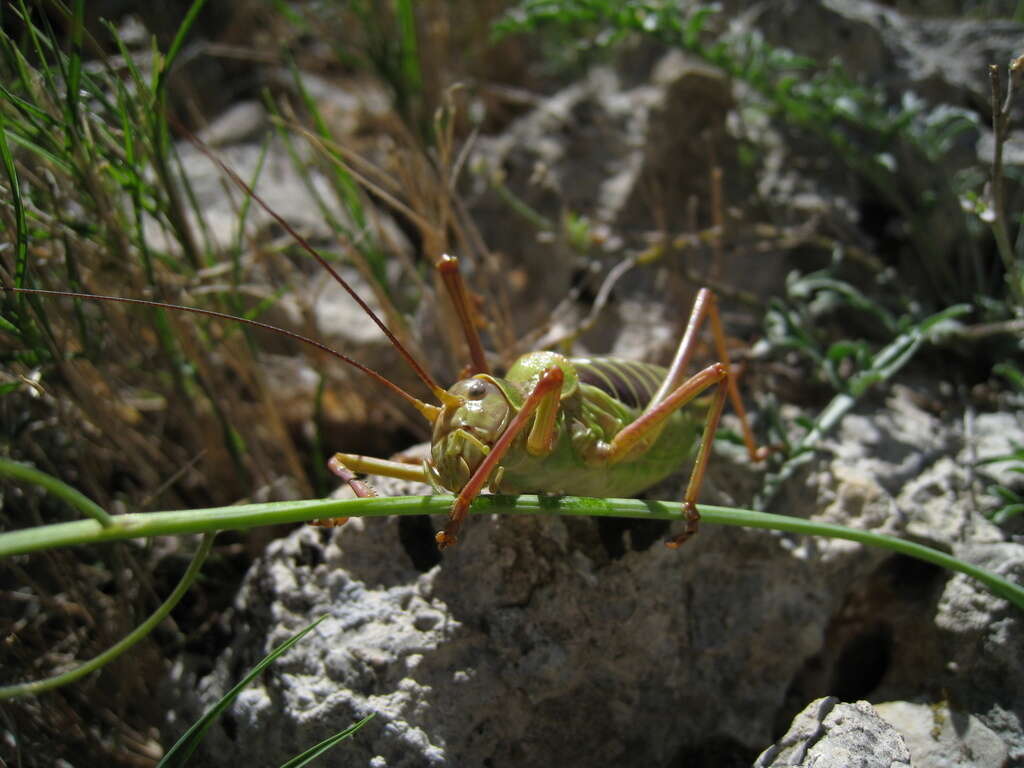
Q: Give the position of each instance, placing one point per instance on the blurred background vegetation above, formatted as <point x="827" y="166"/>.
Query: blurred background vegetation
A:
<point x="146" y="409"/>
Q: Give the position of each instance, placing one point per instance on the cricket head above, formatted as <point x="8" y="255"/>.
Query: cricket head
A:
<point x="465" y="431"/>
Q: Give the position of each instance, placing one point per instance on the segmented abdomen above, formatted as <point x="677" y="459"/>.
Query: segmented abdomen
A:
<point x="632" y="383"/>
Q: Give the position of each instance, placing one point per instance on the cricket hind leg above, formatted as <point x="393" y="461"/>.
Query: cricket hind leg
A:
<point x="676" y="391"/>
<point x="715" y="375"/>
<point x="448" y="268"/>
<point x="705" y="307"/>
<point x="691" y="517"/>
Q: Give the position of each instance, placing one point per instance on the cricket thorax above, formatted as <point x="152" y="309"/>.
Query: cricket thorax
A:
<point x="465" y="433"/>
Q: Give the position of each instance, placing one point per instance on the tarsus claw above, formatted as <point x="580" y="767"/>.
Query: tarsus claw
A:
<point x="445" y="540"/>
<point x="691" y="521"/>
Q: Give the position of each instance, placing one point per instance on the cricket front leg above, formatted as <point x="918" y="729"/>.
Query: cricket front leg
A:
<point x="370" y="465"/>
<point x="542" y="401"/>
<point x="345" y="465"/>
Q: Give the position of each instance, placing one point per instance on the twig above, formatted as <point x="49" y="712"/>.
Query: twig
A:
<point x="1001" y="104"/>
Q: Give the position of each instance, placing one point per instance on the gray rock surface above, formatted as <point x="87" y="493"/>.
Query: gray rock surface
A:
<point x="940" y="59"/>
<point x="520" y="643"/>
<point x="938" y="737"/>
<point x="831" y="734"/>
<point x="929" y="636"/>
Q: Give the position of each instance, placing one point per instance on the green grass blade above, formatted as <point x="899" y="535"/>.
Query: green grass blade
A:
<point x="39" y="118"/>
<point x="179" y="754"/>
<point x="20" y="227"/>
<point x="1011" y="373"/>
<point x="412" y="77"/>
<point x="161" y="139"/>
<point x="137" y="634"/>
<point x="137" y="80"/>
<point x="40" y="45"/>
<point x="238" y="248"/>
<point x="364" y="249"/>
<point x="74" y="68"/>
<point x="7" y="325"/>
<point x="135" y="190"/>
<point x="345" y="186"/>
<point x="314" y="752"/>
<point x="176" y="46"/>
<point x="61" y="490"/>
<point x="44" y="154"/>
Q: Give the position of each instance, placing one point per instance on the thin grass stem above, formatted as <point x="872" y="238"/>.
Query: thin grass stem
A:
<point x="40" y="686"/>
<point x="61" y="490"/>
<point x="174" y="523"/>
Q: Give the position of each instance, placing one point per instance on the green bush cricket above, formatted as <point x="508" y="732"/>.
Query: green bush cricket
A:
<point x="561" y="425"/>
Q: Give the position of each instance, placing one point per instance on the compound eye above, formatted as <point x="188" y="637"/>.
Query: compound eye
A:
<point x="476" y="389"/>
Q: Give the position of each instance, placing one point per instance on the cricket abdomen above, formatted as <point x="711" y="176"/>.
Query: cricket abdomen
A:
<point x="568" y="470"/>
<point x="600" y="397"/>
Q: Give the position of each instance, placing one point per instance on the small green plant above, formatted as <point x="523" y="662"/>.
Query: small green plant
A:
<point x="139" y="408"/>
<point x="1011" y="501"/>
<point x="1001" y="219"/>
<point x="851" y="367"/>
<point x="859" y="123"/>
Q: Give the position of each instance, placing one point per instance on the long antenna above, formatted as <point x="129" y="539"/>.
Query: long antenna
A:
<point x="430" y="412"/>
<point x="439" y="392"/>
